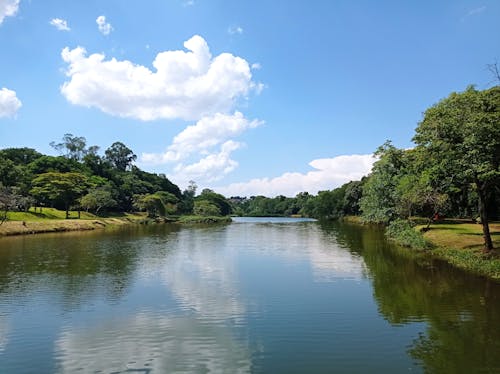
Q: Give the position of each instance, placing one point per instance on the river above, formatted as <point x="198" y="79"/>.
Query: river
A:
<point x="254" y="296"/>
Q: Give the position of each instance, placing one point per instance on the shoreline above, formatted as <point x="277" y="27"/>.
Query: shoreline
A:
<point x="458" y="243"/>
<point x="17" y="228"/>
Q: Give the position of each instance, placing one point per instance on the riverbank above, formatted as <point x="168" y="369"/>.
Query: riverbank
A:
<point x="10" y="228"/>
<point x="52" y="220"/>
<point x="461" y="244"/>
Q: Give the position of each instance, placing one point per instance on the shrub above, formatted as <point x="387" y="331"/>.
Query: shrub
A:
<point x="402" y="232"/>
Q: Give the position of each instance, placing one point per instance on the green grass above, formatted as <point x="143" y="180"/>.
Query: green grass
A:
<point x="52" y="213"/>
<point x="461" y="244"/>
<point x="206" y="220"/>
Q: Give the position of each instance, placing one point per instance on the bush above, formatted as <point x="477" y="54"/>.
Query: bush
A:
<point x="402" y="232"/>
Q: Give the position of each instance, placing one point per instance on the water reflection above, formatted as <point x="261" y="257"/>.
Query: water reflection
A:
<point x="274" y="297"/>
<point x="461" y="311"/>
<point x="165" y="344"/>
<point x="301" y="241"/>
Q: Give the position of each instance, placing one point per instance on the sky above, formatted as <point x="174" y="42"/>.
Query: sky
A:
<point x="243" y="97"/>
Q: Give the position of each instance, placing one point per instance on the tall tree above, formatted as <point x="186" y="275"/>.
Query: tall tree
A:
<point x="73" y="147"/>
<point x="379" y="203"/>
<point x="460" y="136"/>
<point x="120" y="156"/>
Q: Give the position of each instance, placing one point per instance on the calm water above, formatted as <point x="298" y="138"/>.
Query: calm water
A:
<point x="255" y="296"/>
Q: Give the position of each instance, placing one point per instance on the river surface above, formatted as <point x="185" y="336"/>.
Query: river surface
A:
<point x="254" y="296"/>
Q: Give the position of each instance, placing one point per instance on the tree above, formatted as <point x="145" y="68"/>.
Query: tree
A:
<point x="120" y="156"/>
<point x="7" y="202"/>
<point x="460" y="137"/>
<point x="379" y="201"/>
<point x="187" y="202"/>
<point x="206" y="208"/>
<point x="63" y="188"/>
<point x="216" y="199"/>
<point x="97" y="199"/>
<point x="73" y="147"/>
<point x="151" y="203"/>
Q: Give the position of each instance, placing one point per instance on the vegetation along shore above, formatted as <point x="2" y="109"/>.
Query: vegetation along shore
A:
<point x="442" y="196"/>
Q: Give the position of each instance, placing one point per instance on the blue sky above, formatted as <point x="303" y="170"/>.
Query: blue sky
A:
<point x="261" y="97"/>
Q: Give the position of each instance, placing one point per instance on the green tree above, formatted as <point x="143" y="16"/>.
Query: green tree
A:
<point x="98" y="199"/>
<point x="460" y="138"/>
<point x="120" y="156"/>
<point x="205" y="208"/>
<point x="73" y="147"/>
<point x="151" y="203"/>
<point x="380" y="199"/>
<point x="63" y="188"/>
<point x="216" y="199"/>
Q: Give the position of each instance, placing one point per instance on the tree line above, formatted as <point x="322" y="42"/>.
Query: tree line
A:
<point x="81" y="179"/>
<point x="452" y="171"/>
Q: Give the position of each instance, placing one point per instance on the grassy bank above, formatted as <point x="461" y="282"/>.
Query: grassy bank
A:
<point x="461" y="244"/>
<point x="202" y="219"/>
<point x="53" y="220"/>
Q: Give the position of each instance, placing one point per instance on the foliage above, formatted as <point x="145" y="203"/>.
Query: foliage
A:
<point x="405" y="234"/>
<point x="74" y="147"/>
<point x="151" y="203"/>
<point x="205" y="208"/>
<point x="97" y="199"/>
<point x="460" y="139"/>
<point x="379" y="201"/>
<point x="56" y="188"/>
<point x="120" y="156"/>
<point x="215" y="199"/>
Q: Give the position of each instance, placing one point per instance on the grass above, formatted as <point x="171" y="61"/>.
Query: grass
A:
<point x="53" y="220"/>
<point x="461" y="244"/>
<point x="52" y="213"/>
<point x="202" y="219"/>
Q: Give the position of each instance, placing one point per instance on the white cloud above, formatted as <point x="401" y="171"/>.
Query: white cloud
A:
<point x="210" y="168"/>
<point x="235" y="30"/>
<point x="60" y="24"/>
<point x="211" y="139"/>
<point x="207" y="133"/>
<point x="186" y="85"/>
<point x="8" y="8"/>
<point x="9" y="103"/>
<point x="104" y="27"/>
<point x="329" y="173"/>
<point x="256" y="66"/>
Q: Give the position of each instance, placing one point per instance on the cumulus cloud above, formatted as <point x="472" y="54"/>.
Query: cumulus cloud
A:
<point x="9" y="103"/>
<point x="8" y="8"/>
<point x="211" y="138"/>
<point x="60" y="24"/>
<point x="329" y="173"/>
<point x="207" y="133"/>
<point x="186" y="85"/>
<point x="210" y="168"/>
<point x="104" y="27"/>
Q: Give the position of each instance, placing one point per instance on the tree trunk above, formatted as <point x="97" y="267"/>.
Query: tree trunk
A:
<point x="67" y="210"/>
<point x="483" y="214"/>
